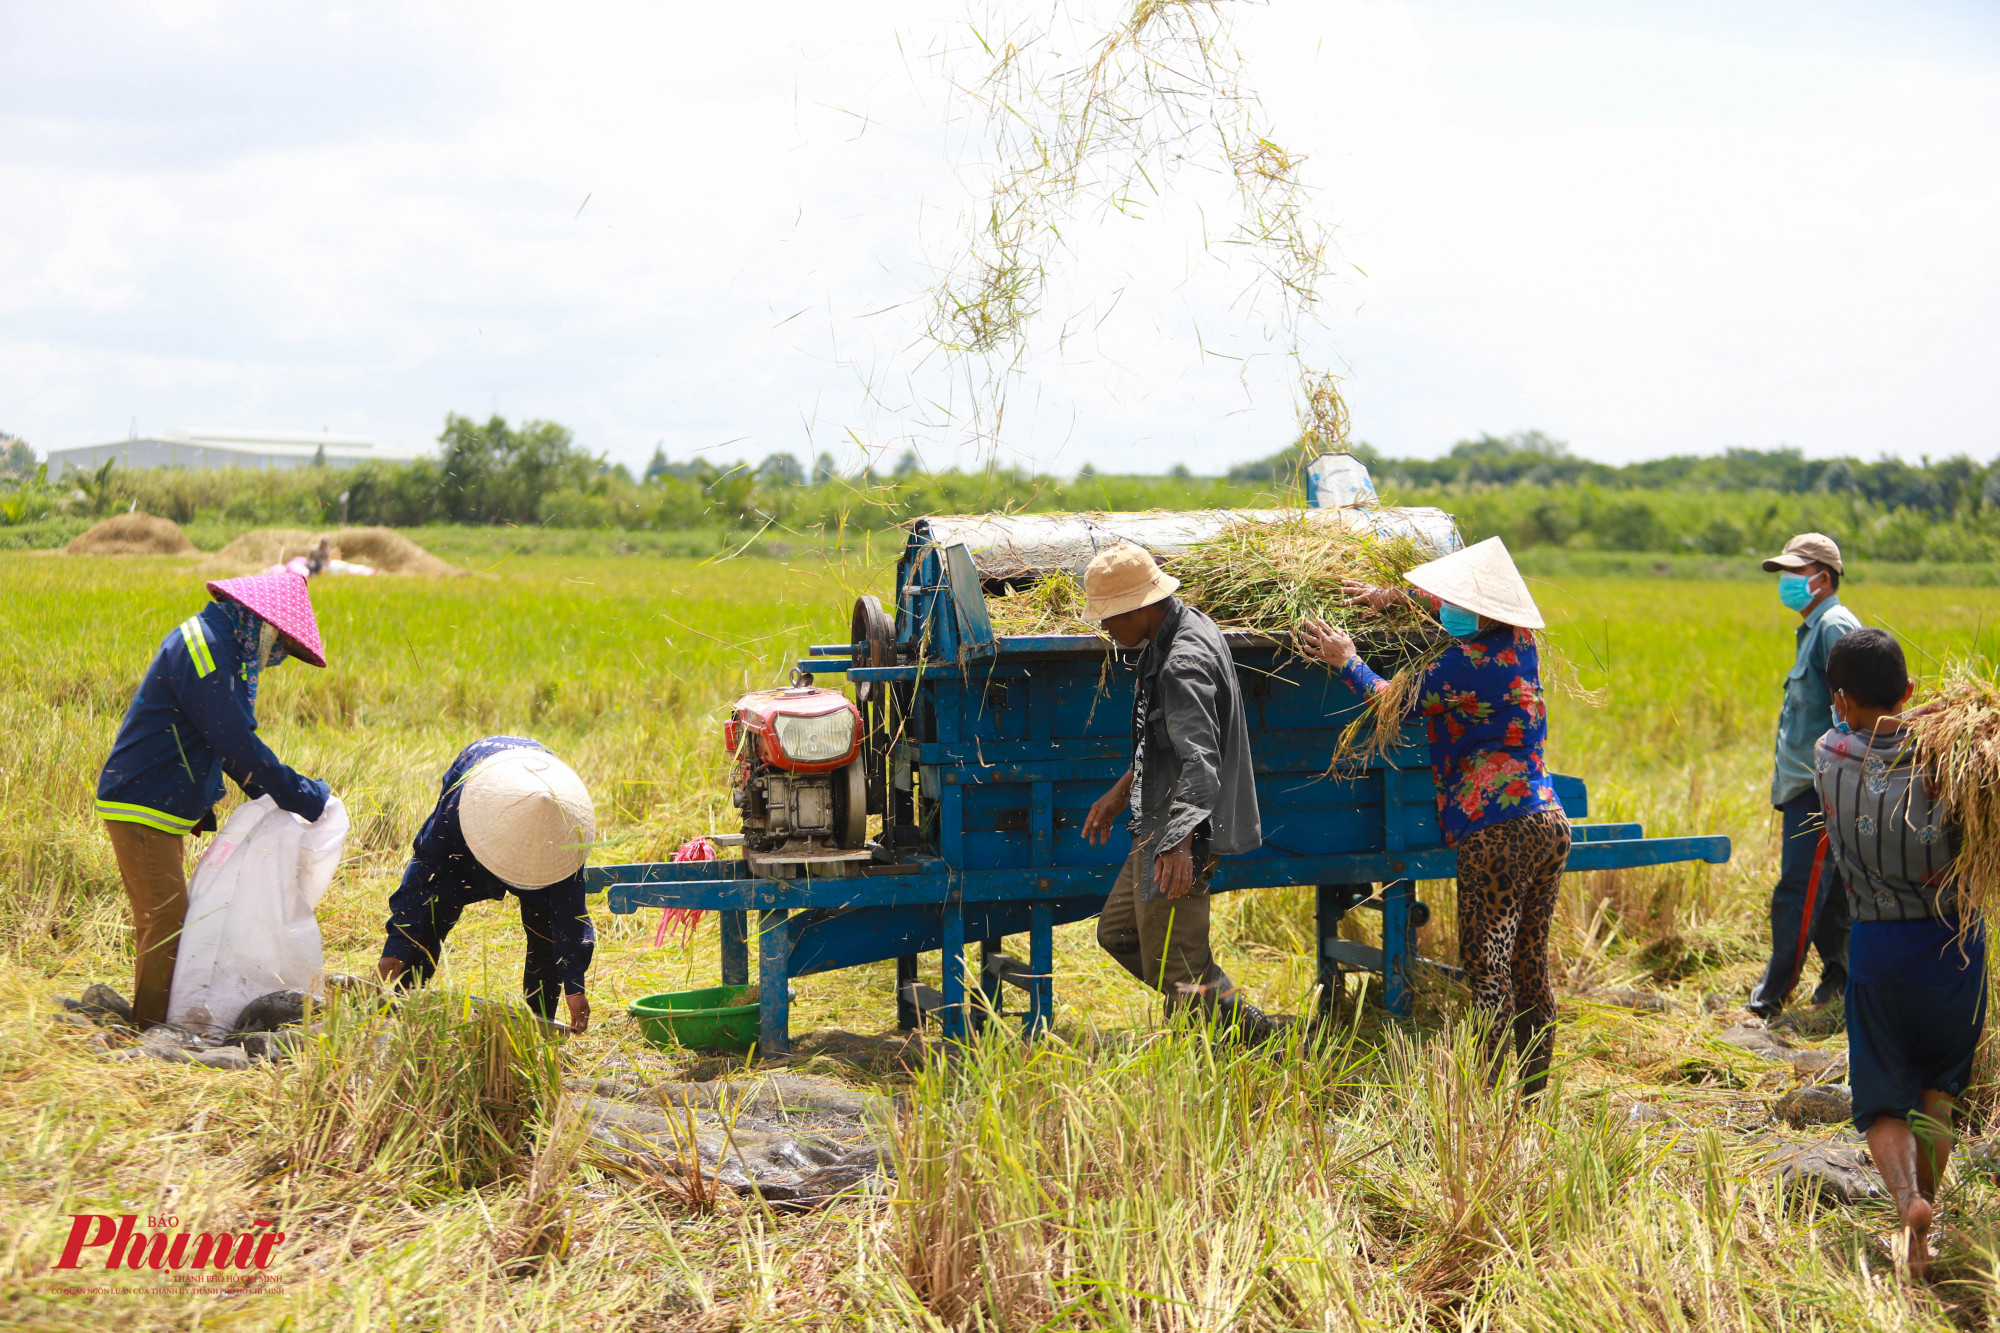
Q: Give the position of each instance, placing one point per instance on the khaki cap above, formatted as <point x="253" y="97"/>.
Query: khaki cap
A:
<point x="1808" y="548"/>
<point x="1481" y="578"/>
<point x="527" y="817"/>
<point x="1123" y="578"/>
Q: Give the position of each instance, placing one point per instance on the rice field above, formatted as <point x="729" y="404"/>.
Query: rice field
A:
<point x="1116" y="1176"/>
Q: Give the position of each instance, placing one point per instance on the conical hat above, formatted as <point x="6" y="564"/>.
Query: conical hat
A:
<point x="1481" y="578"/>
<point x="282" y="600"/>
<point x="527" y="817"/>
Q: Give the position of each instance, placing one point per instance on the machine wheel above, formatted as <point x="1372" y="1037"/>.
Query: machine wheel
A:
<point x="872" y="626"/>
<point x="871" y="635"/>
<point x="850" y="805"/>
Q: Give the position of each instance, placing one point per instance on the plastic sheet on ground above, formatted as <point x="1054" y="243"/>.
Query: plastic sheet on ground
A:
<point x="795" y="1139"/>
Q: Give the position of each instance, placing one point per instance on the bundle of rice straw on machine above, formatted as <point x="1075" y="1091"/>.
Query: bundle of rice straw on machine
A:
<point x="1262" y="571"/>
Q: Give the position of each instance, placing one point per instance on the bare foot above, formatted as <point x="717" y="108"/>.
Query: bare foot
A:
<point x="1917" y="1238"/>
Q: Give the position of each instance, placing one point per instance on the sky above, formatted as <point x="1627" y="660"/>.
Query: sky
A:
<point x="1643" y="229"/>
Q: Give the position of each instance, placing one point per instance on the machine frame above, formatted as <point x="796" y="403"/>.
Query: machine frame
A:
<point x="985" y="753"/>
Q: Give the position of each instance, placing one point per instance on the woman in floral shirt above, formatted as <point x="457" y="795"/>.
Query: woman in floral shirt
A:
<point x="1481" y="702"/>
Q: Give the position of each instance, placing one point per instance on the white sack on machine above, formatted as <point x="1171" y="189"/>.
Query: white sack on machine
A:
<point x="250" y="925"/>
<point x="1028" y="546"/>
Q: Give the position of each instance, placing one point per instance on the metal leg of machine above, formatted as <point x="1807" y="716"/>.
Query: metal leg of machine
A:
<point x="990" y="1003"/>
<point x="1041" y="967"/>
<point x="1330" y="905"/>
<point x="953" y="1017"/>
<point x="774" y="983"/>
<point x="735" y="947"/>
<point x="908" y="1019"/>
<point x="1399" y="949"/>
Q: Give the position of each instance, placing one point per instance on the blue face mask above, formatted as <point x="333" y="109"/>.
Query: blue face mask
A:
<point x="1795" y="591"/>
<point x="1457" y="621"/>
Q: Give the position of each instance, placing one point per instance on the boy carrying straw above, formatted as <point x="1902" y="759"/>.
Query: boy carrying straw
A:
<point x="1916" y="984"/>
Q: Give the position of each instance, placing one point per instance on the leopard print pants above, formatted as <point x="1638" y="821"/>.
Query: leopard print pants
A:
<point x="1508" y="879"/>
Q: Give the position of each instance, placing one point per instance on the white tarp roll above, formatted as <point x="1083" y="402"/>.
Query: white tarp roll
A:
<point x="250" y="926"/>
<point x="1026" y="546"/>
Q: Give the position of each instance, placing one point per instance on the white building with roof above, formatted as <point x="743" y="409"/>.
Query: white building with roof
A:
<point x="206" y="448"/>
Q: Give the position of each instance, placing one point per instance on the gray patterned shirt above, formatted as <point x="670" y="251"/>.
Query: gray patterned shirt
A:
<point x="1891" y="847"/>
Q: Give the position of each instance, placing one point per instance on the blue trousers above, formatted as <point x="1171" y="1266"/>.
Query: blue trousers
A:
<point x="1827" y="932"/>
<point x="1904" y="1039"/>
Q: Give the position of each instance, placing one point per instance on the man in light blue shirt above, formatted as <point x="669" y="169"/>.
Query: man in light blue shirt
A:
<point x="1809" y="571"/>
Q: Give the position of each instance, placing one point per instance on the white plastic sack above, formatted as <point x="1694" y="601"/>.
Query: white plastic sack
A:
<point x="250" y="927"/>
<point x="1335" y="480"/>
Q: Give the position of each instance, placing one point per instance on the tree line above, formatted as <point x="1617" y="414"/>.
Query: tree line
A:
<point x="1527" y="487"/>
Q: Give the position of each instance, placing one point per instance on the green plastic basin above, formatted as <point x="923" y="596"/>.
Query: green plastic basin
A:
<point x="710" y="1019"/>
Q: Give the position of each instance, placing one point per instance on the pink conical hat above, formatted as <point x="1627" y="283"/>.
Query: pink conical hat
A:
<point x="281" y="599"/>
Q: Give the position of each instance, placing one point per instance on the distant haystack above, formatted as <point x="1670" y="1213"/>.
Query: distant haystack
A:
<point x="132" y="534"/>
<point x="383" y="549"/>
<point x="390" y="552"/>
<point x="267" y="546"/>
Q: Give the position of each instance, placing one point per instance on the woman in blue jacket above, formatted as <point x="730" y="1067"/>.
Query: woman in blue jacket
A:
<point x="192" y="721"/>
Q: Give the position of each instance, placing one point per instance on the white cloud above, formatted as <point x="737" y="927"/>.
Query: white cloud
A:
<point x="1646" y="234"/>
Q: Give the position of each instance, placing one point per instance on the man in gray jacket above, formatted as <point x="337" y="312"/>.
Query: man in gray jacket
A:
<point x="1190" y="789"/>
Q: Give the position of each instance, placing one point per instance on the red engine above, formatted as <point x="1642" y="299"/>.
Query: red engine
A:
<point x="800" y="780"/>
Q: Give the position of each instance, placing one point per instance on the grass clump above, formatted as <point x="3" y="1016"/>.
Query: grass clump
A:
<point x="1347" y="1180"/>
<point x="438" y="1090"/>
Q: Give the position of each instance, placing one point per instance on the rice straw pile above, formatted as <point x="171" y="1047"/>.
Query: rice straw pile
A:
<point x="1270" y="578"/>
<point x="1052" y="606"/>
<point x="1957" y="736"/>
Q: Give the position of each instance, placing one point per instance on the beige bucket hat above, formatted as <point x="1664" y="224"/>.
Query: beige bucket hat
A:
<point x="527" y="818"/>
<point x="1123" y="578"/>
<point x="1808" y="548"/>
<point x="1481" y="578"/>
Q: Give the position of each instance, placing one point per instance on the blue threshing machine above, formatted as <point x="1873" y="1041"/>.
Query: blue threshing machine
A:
<point x="982" y="753"/>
